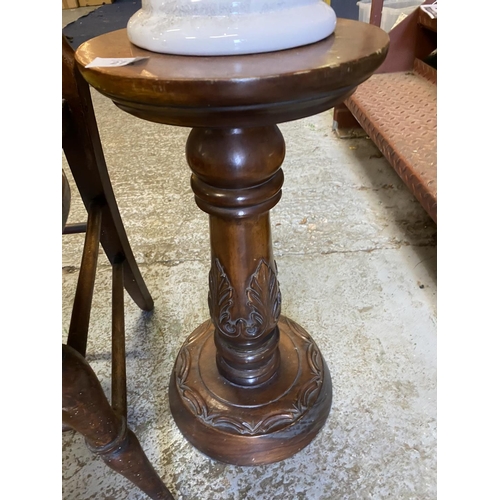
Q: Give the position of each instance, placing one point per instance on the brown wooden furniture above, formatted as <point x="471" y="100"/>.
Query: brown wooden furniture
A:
<point x="248" y="387"/>
<point x="397" y="107"/>
<point x="85" y="406"/>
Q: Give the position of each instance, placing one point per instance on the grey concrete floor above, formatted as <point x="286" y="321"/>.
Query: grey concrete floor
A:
<point x="357" y="261"/>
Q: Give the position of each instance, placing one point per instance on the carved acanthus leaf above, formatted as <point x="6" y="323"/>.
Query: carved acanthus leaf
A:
<point x="263" y="302"/>
<point x="220" y="299"/>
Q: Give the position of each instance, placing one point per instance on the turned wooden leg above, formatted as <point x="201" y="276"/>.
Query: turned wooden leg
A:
<point x="248" y="387"/>
<point x="87" y="411"/>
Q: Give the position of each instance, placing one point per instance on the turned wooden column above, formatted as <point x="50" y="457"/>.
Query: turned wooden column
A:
<point x="249" y="386"/>
<point x="237" y="179"/>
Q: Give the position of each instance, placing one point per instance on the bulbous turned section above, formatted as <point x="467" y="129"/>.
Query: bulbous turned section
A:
<point x="236" y="172"/>
<point x="235" y="158"/>
<point x="225" y="27"/>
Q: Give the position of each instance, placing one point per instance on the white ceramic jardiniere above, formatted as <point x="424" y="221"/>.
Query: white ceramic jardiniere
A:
<point x="226" y="27"/>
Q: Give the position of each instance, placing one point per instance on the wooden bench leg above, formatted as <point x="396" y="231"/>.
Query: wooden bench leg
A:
<point x="344" y="123"/>
<point x="87" y="411"/>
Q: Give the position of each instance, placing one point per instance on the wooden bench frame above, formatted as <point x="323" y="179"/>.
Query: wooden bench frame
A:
<point x="412" y="40"/>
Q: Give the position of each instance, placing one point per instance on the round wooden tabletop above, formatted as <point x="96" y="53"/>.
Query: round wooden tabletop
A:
<point x="336" y="64"/>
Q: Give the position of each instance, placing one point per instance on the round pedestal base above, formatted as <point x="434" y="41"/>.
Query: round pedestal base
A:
<point x="251" y="425"/>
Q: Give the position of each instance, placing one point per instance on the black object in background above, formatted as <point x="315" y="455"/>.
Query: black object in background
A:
<point x="346" y="9"/>
<point x="109" y="17"/>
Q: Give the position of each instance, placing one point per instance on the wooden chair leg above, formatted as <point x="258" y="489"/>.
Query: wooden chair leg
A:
<point x="80" y="315"/>
<point x="66" y="200"/>
<point x="87" y="411"/>
<point x="83" y="150"/>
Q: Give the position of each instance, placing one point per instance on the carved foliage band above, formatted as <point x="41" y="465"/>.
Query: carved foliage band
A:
<point x="263" y="302"/>
<point x="243" y="423"/>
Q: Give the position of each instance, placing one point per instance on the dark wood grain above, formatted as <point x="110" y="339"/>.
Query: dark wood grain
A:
<point x="82" y="305"/>
<point x="249" y="387"/>
<point x="66" y="200"/>
<point x="85" y="406"/>
<point x="236" y="90"/>
<point x="251" y="425"/>
<point x="339" y="61"/>
<point x="83" y="150"/>
<point x="118" y="353"/>
<point x="86" y="410"/>
<point x="237" y="176"/>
